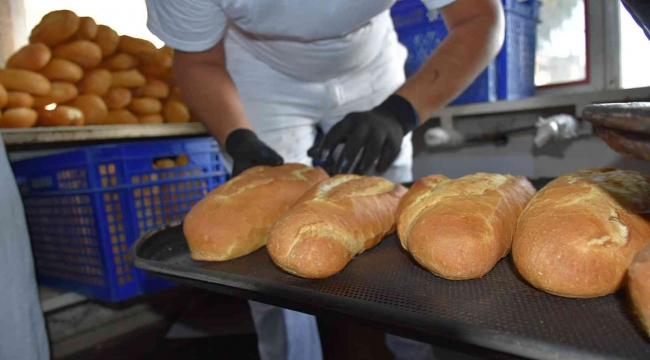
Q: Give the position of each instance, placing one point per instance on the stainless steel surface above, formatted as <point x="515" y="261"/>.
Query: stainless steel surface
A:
<point x="89" y="133"/>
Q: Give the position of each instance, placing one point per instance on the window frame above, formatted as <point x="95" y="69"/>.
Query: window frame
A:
<point x="603" y="52"/>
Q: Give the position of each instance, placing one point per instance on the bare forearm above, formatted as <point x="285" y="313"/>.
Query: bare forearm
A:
<point x="211" y="94"/>
<point x="460" y="58"/>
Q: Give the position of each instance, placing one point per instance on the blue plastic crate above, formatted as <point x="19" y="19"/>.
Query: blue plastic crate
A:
<point x="510" y="76"/>
<point x="85" y="208"/>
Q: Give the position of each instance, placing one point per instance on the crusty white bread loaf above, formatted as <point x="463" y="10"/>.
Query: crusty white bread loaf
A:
<point x="459" y="229"/>
<point x="579" y="234"/>
<point x="234" y="219"/>
<point x="336" y="220"/>
<point x="639" y="286"/>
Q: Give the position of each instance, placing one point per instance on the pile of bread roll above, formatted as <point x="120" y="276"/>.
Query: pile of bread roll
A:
<point x="74" y="72"/>
<point x="577" y="237"/>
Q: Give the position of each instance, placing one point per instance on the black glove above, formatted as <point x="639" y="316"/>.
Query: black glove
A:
<point x="248" y="151"/>
<point x="377" y="134"/>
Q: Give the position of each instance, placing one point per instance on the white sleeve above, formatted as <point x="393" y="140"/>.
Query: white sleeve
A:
<point x="187" y="25"/>
<point x="436" y="4"/>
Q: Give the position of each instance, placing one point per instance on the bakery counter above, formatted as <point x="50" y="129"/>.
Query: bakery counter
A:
<point x="385" y="287"/>
<point x="71" y="134"/>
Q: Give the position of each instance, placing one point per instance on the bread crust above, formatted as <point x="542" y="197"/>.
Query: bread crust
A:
<point x="336" y="220"/>
<point x="579" y="234"/>
<point x="639" y="286"/>
<point x="459" y="229"/>
<point x="234" y="219"/>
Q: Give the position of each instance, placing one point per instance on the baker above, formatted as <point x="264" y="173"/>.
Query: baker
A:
<point x="263" y="75"/>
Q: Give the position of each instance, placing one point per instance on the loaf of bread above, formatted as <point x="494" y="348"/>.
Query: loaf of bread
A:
<point x="120" y="117"/>
<point x="4" y="96"/>
<point x="579" y="234"/>
<point x="145" y="106"/>
<point x="18" y="118"/>
<point x="96" y="82"/>
<point x="84" y="53"/>
<point x="87" y="29"/>
<point x="62" y="115"/>
<point x="153" y="88"/>
<point x="55" y="28"/>
<point x="25" y="80"/>
<point x="107" y="39"/>
<point x="135" y="46"/>
<point x="32" y="57"/>
<point x="234" y="219"/>
<point x="18" y="99"/>
<point x="332" y="223"/>
<point x="639" y="286"/>
<point x="117" y="98"/>
<point x="61" y="92"/>
<point x="175" y="112"/>
<point x="151" y="119"/>
<point x="459" y="229"/>
<point x="93" y="108"/>
<point x="120" y="61"/>
<point x="62" y="70"/>
<point x="127" y="79"/>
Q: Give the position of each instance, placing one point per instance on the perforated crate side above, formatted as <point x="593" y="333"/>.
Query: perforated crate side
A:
<point x="516" y="60"/>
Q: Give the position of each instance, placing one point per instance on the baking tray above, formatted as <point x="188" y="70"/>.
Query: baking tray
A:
<point x="386" y="287"/>
<point x="625" y="127"/>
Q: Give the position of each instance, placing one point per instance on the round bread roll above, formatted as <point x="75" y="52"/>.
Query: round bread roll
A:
<point x="18" y="99"/>
<point x="107" y="40"/>
<point x="120" y="117"/>
<point x="93" y="108"/>
<point x="157" y="59"/>
<point x="87" y="29"/>
<point x="167" y="50"/>
<point x="62" y="115"/>
<point x="127" y="79"/>
<point x="175" y="94"/>
<point x="62" y="70"/>
<point x="32" y="57"/>
<point x="96" y="82"/>
<point x="61" y="92"/>
<point x="25" y="80"/>
<point x="3" y="96"/>
<point x="84" y="53"/>
<point x="176" y="112"/>
<point x="55" y="28"/>
<point x="145" y="106"/>
<point x="18" y="118"/>
<point x="151" y="119"/>
<point x="182" y="160"/>
<point x="153" y="88"/>
<point x="117" y="98"/>
<point x="135" y="46"/>
<point x="121" y="61"/>
<point x="165" y="163"/>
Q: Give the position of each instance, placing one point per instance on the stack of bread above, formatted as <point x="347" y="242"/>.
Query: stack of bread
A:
<point x="74" y="72"/>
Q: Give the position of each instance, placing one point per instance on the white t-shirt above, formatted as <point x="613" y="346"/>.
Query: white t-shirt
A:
<point x="308" y="39"/>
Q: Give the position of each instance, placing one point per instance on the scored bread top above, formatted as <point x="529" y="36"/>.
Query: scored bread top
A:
<point x="433" y="190"/>
<point x="337" y="219"/>
<point x="579" y="234"/>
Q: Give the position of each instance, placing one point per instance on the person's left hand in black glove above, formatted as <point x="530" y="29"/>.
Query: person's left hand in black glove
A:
<point x="375" y="135"/>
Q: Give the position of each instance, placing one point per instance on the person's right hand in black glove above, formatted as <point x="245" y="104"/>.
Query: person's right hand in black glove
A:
<point x="248" y="151"/>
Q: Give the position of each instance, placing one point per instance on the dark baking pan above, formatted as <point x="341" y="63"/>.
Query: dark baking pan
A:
<point x="384" y="286"/>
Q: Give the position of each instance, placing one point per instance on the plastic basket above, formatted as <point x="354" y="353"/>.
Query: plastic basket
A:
<point x="510" y="76"/>
<point x="86" y="207"/>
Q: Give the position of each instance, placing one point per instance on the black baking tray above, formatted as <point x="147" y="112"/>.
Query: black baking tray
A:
<point x="386" y="287"/>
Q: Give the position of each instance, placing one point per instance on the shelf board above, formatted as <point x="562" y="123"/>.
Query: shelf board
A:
<point x="65" y="134"/>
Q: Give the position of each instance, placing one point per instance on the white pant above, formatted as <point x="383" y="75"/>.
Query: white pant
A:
<point x="284" y="112"/>
<point x="22" y="329"/>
